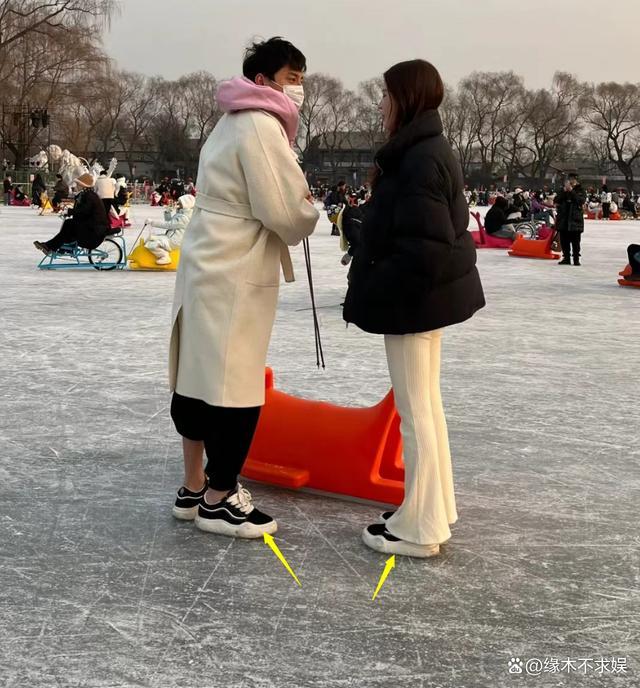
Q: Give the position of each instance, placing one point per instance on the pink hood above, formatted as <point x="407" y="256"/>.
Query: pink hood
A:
<point x="241" y="93"/>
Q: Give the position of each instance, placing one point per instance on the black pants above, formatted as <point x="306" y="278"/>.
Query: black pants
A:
<point x="570" y="241"/>
<point x="227" y="434"/>
<point x="72" y="231"/>
<point x="606" y="210"/>
<point x="633" y="251"/>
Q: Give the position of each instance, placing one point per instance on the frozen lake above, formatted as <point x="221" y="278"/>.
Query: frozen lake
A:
<point x="100" y="587"/>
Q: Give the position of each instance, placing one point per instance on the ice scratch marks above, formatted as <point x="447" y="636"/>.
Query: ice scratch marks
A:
<point x="328" y="541"/>
<point x="154" y="677"/>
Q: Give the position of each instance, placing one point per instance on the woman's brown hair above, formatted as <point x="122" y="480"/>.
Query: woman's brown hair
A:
<point x="415" y="86"/>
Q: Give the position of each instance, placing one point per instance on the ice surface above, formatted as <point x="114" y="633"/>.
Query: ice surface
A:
<point x="99" y="587"/>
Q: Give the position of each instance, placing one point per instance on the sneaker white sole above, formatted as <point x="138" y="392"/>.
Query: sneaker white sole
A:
<point x="250" y="531"/>
<point x="401" y="547"/>
<point x="384" y="520"/>
<point x="185" y="513"/>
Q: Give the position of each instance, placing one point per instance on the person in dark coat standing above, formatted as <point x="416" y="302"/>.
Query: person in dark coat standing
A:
<point x="60" y="191"/>
<point x="38" y="187"/>
<point x="570" y="219"/>
<point x="87" y="223"/>
<point x="413" y="275"/>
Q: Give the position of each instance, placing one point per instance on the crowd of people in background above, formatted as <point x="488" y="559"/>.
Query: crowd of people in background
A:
<point x="509" y="210"/>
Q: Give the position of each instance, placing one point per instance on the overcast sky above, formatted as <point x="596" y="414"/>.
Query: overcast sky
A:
<point x="356" y="39"/>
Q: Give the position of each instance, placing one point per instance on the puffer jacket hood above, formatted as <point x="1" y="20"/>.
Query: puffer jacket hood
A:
<point x="187" y="201"/>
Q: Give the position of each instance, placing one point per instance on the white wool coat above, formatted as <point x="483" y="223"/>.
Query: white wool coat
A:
<point x="251" y="204"/>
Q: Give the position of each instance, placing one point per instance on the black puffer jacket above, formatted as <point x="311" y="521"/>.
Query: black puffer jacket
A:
<point x="415" y="270"/>
<point x="89" y="219"/>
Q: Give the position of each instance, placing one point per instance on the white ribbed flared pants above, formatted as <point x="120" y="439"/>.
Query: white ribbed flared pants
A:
<point x="429" y="505"/>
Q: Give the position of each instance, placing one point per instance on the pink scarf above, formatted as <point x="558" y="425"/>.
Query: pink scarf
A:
<point x="241" y="93"/>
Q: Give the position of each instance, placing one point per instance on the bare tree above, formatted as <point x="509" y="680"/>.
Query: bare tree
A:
<point x="491" y="98"/>
<point x="459" y="126"/>
<point x="552" y="124"/>
<point x="369" y="115"/>
<point x="19" y="18"/>
<point x="318" y="91"/>
<point x="337" y="123"/>
<point x="199" y="91"/>
<point x="138" y="116"/>
<point x="613" y="112"/>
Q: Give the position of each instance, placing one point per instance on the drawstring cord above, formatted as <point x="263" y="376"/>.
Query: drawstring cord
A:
<point x="316" y="324"/>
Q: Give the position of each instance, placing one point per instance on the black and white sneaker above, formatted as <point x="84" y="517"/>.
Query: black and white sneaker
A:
<point x="235" y="516"/>
<point x="187" y="503"/>
<point x="380" y="539"/>
<point x="385" y="516"/>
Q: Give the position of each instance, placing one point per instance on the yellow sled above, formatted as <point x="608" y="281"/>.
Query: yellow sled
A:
<point x="142" y="259"/>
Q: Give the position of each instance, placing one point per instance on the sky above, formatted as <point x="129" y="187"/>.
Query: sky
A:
<point x="356" y="40"/>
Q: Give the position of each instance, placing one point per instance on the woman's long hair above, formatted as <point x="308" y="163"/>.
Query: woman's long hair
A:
<point x="414" y="86"/>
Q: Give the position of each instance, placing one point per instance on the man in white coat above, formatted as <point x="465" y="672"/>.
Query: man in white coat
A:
<point x="253" y="202"/>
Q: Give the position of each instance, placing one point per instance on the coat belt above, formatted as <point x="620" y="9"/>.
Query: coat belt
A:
<point x="243" y="211"/>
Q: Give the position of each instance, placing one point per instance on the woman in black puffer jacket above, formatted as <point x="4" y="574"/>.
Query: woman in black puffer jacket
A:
<point x="414" y="274"/>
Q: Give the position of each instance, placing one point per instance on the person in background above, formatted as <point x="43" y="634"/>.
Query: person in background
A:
<point x="60" y="191"/>
<point x="605" y="200"/>
<point x="540" y="212"/>
<point x="413" y="275"/>
<point x="106" y="190"/>
<point x="87" y="222"/>
<point x="18" y="194"/>
<point x="190" y="187"/>
<point x="337" y="196"/>
<point x="7" y="186"/>
<point x="629" y="206"/>
<point x="38" y="187"/>
<point x="351" y="227"/>
<point x="497" y="222"/>
<point x="570" y="219"/>
<point x="161" y="245"/>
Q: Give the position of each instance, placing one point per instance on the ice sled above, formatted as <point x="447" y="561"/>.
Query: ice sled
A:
<point x="625" y="282"/>
<point x="534" y="248"/>
<point x="482" y="239"/>
<point x="110" y="255"/>
<point x="142" y="259"/>
<point x="302" y="443"/>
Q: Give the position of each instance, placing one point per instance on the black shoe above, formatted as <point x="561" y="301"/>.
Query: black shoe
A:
<point x="385" y="516"/>
<point x="576" y="261"/>
<point x="380" y="539"/>
<point x="42" y="247"/>
<point x="235" y="516"/>
<point x="187" y="503"/>
<point x="564" y="261"/>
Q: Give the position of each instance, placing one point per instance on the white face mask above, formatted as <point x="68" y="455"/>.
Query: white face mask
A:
<point x="296" y="93"/>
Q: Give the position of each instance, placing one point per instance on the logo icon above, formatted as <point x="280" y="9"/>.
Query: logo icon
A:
<point x="515" y="665"/>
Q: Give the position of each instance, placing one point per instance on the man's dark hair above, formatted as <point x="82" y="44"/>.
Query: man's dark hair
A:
<point x="341" y="182"/>
<point x="269" y="57"/>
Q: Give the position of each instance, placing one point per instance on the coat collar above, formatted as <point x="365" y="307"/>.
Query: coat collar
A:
<point x="425" y="126"/>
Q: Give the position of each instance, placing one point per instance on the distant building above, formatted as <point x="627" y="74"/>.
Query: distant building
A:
<point x="345" y="155"/>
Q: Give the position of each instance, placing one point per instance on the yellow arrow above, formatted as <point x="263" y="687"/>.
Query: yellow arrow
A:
<point x="391" y="563"/>
<point x="270" y="541"/>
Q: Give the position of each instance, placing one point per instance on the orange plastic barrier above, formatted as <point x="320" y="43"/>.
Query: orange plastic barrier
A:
<point x="534" y="248"/>
<point x="627" y="283"/>
<point x="314" y="444"/>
